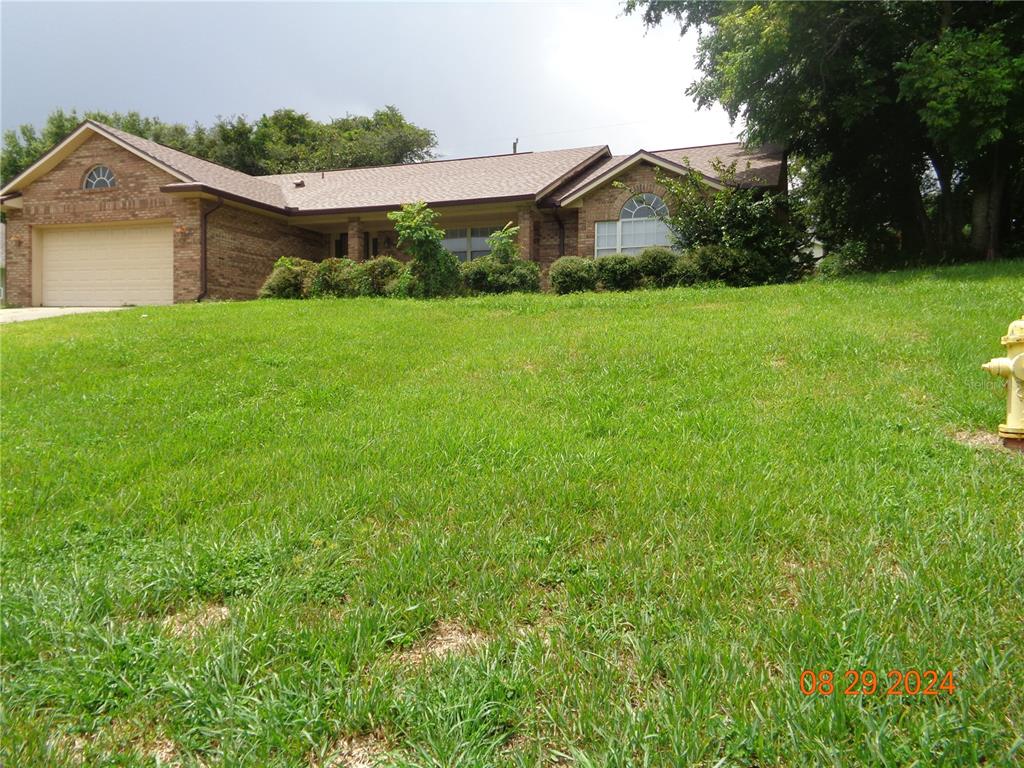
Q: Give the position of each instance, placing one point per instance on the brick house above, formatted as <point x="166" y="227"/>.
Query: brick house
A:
<point x="108" y="218"/>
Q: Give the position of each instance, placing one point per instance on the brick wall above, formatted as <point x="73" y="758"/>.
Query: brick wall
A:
<point x="58" y="198"/>
<point x="18" y="244"/>
<point x="242" y="246"/>
<point x="605" y="203"/>
<point x="549" y="243"/>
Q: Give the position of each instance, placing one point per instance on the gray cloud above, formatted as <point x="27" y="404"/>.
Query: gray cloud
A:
<point x="479" y="74"/>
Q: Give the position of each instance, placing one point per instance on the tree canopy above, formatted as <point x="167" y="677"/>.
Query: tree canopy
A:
<point x="907" y="118"/>
<point x="285" y="141"/>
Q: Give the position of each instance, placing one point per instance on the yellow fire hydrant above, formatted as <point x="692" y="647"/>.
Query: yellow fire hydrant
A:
<point x="1011" y="368"/>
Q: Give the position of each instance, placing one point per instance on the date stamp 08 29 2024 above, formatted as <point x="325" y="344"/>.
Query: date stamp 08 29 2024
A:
<point x="910" y="682"/>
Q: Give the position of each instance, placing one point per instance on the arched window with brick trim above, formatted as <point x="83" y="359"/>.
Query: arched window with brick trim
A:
<point x="99" y="177"/>
<point x="640" y="225"/>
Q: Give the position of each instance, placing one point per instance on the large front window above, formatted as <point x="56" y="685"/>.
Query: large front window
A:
<point x="469" y="242"/>
<point x="640" y="225"/>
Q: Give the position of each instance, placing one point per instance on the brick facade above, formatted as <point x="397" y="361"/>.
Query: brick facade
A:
<point x="242" y="246"/>
<point x="605" y="203"/>
<point x="58" y="198"/>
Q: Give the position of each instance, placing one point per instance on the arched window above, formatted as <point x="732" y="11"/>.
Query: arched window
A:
<point x="645" y="206"/>
<point x="99" y="177"/>
<point x="640" y="225"/>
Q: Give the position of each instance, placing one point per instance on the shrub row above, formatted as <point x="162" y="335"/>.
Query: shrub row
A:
<point x="661" y="268"/>
<point x="653" y="268"/>
<point x="492" y="275"/>
<point x="300" y="279"/>
<point x="385" y="276"/>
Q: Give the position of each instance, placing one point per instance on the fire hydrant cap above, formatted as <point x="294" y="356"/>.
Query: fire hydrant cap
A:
<point x="1015" y="333"/>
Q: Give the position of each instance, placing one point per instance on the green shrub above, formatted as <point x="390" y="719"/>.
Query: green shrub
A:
<point x="733" y="266"/>
<point x="375" y="275"/>
<point x="753" y="221"/>
<point x="656" y="266"/>
<point x="571" y="273"/>
<point x="290" y="278"/>
<point x="504" y="244"/>
<point x="436" y="269"/>
<point x="502" y="271"/>
<point x="849" y="258"/>
<point x="617" y="272"/>
<point x="490" y="275"/>
<point x="404" y="285"/>
<point x="685" y="270"/>
<point x="332" y="277"/>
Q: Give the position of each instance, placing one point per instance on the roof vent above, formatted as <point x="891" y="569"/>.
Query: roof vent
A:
<point x="299" y="183"/>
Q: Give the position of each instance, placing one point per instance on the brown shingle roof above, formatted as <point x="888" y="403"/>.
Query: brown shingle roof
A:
<point x="761" y="167"/>
<point x="202" y="171"/>
<point x="525" y="176"/>
<point x="522" y="176"/>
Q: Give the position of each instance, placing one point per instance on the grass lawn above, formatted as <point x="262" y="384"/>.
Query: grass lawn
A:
<point x="590" y="530"/>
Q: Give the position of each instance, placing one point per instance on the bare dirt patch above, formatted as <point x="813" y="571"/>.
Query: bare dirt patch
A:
<point x="192" y="623"/>
<point x="978" y="439"/>
<point x="794" y="573"/>
<point x="367" y="750"/>
<point x="445" y="638"/>
<point x="118" y="739"/>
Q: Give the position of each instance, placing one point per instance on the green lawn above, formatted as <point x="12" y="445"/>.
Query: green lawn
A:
<point x="234" y="534"/>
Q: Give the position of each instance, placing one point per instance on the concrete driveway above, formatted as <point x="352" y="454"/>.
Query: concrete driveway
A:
<point x="21" y="314"/>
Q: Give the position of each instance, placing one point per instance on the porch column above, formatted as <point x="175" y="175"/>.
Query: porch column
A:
<point x="355" y="240"/>
<point x="584" y="236"/>
<point x="526" y="234"/>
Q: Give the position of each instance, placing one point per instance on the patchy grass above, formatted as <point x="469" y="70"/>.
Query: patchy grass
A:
<point x="226" y="526"/>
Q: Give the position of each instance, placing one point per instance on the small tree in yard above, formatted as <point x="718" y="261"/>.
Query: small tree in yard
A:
<point x="502" y="271"/>
<point x="505" y="244"/>
<point x="434" y="269"/>
<point x="742" y="219"/>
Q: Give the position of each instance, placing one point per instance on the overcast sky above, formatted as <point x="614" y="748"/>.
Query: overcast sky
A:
<point x="479" y="74"/>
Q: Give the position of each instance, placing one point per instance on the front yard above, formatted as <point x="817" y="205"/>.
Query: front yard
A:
<point x="604" y="529"/>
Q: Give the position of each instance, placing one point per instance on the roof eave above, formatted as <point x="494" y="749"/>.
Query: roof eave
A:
<point x="641" y="155"/>
<point x="600" y="154"/>
<point x="395" y="207"/>
<point x="68" y="144"/>
<point x="199" y="188"/>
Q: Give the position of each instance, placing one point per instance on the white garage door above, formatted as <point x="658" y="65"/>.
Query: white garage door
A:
<point x="108" y="266"/>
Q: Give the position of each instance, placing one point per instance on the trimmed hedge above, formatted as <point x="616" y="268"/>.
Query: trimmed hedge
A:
<point x="289" y="279"/>
<point x="302" y="279"/>
<point x="332" y="277"/>
<point x="618" y="272"/>
<point x="733" y="266"/>
<point x="657" y="266"/>
<point x="373" y="276"/>
<point x="491" y="275"/>
<point x="571" y="274"/>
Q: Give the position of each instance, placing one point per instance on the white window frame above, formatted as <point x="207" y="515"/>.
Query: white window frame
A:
<point x="618" y="239"/>
<point x="618" y="234"/>
<point x="467" y="240"/>
<point x="102" y="173"/>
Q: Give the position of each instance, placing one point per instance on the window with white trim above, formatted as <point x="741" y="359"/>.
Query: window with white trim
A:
<point x="469" y="243"/>
<point x="99" y="177"/>
<point x="640" y="225"/>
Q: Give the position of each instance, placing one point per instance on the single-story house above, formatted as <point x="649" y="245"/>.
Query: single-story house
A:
<point x="108" y="218"/>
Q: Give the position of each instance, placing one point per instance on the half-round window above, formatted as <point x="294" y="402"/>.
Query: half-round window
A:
<point x="644" y="206"/>
<point x="99" y="177"/>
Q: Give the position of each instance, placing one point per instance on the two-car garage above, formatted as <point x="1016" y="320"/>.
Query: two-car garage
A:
<point x="110" y="265"/>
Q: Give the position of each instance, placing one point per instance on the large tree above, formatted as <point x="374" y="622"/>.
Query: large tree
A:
<point x="285" y="141"/>
<point x="908" y="117"/>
